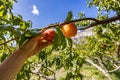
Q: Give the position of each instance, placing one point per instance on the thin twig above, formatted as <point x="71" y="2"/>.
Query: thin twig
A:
<point x="114" y="69"/>
<point x="8" y="41"/>
<point x="51" y="71"/>
<point x="118" y="51"/>
<point x="41" y="75"/>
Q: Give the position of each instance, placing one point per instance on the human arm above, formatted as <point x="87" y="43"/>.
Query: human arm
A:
<point x="12" y="65"/>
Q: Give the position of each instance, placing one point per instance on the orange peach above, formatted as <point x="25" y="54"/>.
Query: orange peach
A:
<point x="69" y="30"/>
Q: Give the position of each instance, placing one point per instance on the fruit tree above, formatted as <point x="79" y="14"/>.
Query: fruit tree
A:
<point x="94" y="57"/>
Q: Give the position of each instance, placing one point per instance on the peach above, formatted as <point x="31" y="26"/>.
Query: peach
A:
<point x="49" y="35"/>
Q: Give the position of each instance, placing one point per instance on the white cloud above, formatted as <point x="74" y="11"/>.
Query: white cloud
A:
<point x="35" y="10"/>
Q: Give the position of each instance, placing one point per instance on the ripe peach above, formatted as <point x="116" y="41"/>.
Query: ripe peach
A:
<point x="49" y="35"/>
<point x="69" y="30"/>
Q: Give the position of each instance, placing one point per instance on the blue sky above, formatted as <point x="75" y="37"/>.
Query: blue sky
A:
<point x="45" y="12"/>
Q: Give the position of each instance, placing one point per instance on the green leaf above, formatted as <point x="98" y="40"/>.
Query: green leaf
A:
<point x="31" y="33"/>
<point x="69" y="76"/>
<point x="27" y="35"/>
<point x="22" y="40"/>
<point x="2" y="8"/>
<point x="16" y="20"/>
<point x="69" y="16"/>
<point x="70" y="42"/>
<point x="4" y="56"/>
<point x="60" y="41"/>
<point x="81" y="15"/>
<point x="23" y="26"/>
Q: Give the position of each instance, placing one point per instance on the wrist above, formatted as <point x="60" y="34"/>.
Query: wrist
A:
<point x="28" y="48"/>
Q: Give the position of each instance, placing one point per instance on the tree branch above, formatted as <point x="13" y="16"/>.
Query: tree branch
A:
<point x="8" y="41"/>
<point x="114" y="69"/>
<point x="99" y="68"/>
<point x="41" y="75"/>
<point x="63" y="23"/>
<point x="51" y="71"/>
<point x="100" y="61"/>
<point x="37" y="71"/>
<point x="97" y="22"/>
<point x="118" y="50"/>
<point x="102" y="22"/>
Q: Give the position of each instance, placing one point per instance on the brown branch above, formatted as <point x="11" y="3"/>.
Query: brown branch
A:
<point x="118" y="51"/>
<point x="102" y="22"/>
<point x="97" y="22"/>
<point x="63" y="23"/>
<point x="8" y="41"/>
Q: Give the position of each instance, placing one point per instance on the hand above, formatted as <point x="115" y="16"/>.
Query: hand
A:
<point x="36" y="44"/>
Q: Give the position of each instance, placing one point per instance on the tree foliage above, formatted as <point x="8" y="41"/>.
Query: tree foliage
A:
<point x="101" y="49"/>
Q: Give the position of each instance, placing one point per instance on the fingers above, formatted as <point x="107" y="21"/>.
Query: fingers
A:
<point x="40" y="46"/>
<point x="45" y="44"/>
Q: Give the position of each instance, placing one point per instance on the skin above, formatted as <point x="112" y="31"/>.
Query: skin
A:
<point x="12" y="65"/>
